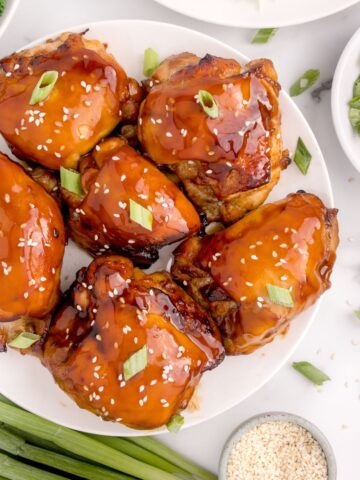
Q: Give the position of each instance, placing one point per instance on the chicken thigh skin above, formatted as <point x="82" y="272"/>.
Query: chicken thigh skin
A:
<point x="289" y="244"/>
<point x="230" y="163"/>
<point x="116" y="180"/>
<point x="91" y="95"/>
<point x="32" y="242"/>
<point x="114" y="311"/>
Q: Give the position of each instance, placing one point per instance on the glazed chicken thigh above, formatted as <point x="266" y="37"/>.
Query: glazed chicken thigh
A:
<point x="32" y="241"/>
<point x="258" y="274"/>
<point x="128" y="346"/>
<point x="228" y="159"/>
<point x="90" y="95"/>
<point x="128" y="206"/>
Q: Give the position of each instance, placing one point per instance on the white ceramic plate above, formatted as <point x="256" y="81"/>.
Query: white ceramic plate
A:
<point x="257" y="13"/>
<point x="11" y="6"/>
<point x="25" y="381"/>
<point x="347" y="70"/>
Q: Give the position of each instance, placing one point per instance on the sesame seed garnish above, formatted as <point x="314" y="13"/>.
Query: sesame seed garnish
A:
<point x="249" y="284"/>
<point x="254" y="257"/>
<point x="168" y="134"/>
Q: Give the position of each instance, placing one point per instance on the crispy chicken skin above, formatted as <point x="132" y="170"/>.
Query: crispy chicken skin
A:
<point x="290" y="244"/>
<point x="32" y="241"/>
<point x="113" y="175"/>
<point x="90" y="97"/>
<point x="111" y="312"/>
<point x="227" y="164"/>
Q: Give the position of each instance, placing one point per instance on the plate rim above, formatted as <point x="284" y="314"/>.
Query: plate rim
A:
<point x="315" y="307"/>
<point x="263" y="23"/>
<point x="337" y="98"/>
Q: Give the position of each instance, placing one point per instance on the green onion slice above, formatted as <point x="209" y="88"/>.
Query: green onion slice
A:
<point x="357" y="313"/>
<point x="310" y="372"/>
<point x="136" y="363"/>
<point x="264" y="35"/>
<point x="355" y="102"/>
<point x="2" y="6"/>
<point x="71" y="180"/>
<point x="354" y="116"/>
<point x="306" y="81"/>
<point x="356" y="88"/>
<point x="24" y="340"/>
<point x="44" y="86"/>
<point x="175" y="423"/>
<point x="151" y="62"/>
<point x="302" y="157"/>
<point x="141" y="215"/>
<point x="279" y="295"/>
<point x="208" y="103"/>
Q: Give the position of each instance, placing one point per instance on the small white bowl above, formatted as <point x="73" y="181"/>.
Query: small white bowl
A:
<point x="273" y="417"/>
<point x="11" y="6"/>
<point x="347" y="70"/>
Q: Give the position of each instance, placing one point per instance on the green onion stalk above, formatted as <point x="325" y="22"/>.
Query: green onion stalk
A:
<point x="13" y="470"/>
<point x="80" y="444"/>
<point x="158" y="448"/>
<point x="17" y="446"/>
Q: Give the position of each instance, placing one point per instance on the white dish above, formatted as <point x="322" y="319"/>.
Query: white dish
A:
<point x="257" y="13"/>
<point x="347" y="70"/>
<point x="25" y="381"/>
<point x="10" y="8"/>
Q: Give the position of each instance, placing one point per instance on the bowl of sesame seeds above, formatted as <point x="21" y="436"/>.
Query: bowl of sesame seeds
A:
<point x="277" y="446"/>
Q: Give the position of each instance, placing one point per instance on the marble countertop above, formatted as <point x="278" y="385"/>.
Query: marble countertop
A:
<point x="333" y="343"/>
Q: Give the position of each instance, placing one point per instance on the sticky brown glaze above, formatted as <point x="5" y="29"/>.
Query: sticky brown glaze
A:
<point x="227" y="164"/>
<point x="100" y="221"/>
<point x="90" y="97"/>
<point x="289" y="244"/>
<point x="111" y="312"/>
<point x="32" y="243"/>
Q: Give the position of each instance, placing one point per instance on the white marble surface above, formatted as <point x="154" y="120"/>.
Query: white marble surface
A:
<point x="333" y="342"/>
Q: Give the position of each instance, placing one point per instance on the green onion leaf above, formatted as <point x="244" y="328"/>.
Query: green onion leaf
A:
<point x="175" y="423"/>
<point x="2" y="6"/>
<point x="44" y="86"/>
<point x="355" y="102"/>
<point x="141" y="215"/>
<point x="71" y="180"/>
<point x="151" y="62"/>
<point x="279" y="295"/>
<point x="356" y="88"/>
<point x="264" y="35"/>
<point x="302" y="157"/>
<point x="306" y="81"/>
<point x="136" y="363"/>
<point x="357" y="313"/>
<point x="24" y="340"/>
<point x="208" y="103"/>
<point x="310" y="372"/>
<point x="354" y="116"/>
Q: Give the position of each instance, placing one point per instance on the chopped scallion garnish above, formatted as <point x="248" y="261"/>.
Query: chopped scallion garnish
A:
<point x="357" y="313"/>
<point x="302" y="157"/>
<point x="24" y="340"/>
<point x="136" y="363"/>
<point x="71" y="180"/>
<point x="306" y="81"/>
<point x="151" y="62"/>
<point x="264" y="35"/>
<point x="310" y="372"/>
<point x="44" y="86"/>
<point x="355" y="102"/>
<point x="141" y="215"/>
<point x="208" y="103"/>
<point x="356" y="87"/>
<point x="279" y="295"/>
<point x="2" y="6"/>
<point x="175" y="423"/>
